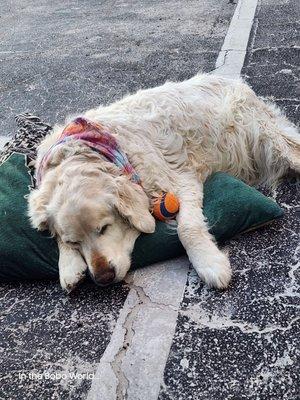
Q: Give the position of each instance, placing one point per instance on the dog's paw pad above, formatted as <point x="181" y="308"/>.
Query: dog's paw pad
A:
<point x="216" y="271"/>
<point x="69" y="283"/>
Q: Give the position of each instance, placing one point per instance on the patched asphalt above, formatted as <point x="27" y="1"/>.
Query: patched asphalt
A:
<point x="58" y="59"/>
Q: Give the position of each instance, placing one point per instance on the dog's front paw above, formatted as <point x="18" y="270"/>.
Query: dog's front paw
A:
<point x="68" y="282"/>
<point x="214" y="270"/>
<point x="71" y="276"/>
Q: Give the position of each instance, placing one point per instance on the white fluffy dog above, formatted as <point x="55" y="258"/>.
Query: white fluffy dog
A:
<point x="174" y="136"/>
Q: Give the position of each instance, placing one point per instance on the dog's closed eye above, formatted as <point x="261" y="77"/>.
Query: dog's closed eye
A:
<point x="101" y="230"/>
<point x="73" y="244"/>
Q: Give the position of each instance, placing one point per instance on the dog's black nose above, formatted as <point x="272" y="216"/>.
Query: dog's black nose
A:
<point x="105" y="276"/>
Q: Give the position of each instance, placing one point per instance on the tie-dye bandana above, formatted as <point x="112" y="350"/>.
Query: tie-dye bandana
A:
<point x="97" y="138"/>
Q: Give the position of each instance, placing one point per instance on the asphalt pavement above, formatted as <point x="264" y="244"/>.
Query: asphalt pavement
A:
<point x="59" y="58"/>
<point x="62" y="57"/>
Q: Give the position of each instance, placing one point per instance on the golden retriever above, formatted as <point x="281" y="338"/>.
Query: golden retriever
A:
<point x="174" y="136"/>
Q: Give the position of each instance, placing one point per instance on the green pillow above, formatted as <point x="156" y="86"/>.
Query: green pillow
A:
<point x="230" y="207"/>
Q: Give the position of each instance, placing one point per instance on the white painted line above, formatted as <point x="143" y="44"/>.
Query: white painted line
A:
<point x="233" y="52"/>
<point x="133" y="363"/>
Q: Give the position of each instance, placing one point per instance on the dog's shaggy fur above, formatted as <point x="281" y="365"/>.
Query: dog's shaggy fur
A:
<point x="174" y="135"/>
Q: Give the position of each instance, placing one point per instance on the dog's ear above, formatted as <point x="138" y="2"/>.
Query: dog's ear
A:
<point x="38" y="201"/>
<point x="133" y="204"/>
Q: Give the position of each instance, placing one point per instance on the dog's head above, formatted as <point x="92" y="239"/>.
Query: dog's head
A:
<point x="96" y="211"/>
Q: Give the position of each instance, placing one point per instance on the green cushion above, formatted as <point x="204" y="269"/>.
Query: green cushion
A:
<point x="230" y="207"/>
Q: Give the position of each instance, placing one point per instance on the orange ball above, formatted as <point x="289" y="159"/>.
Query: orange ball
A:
<point x="166" y="206"/>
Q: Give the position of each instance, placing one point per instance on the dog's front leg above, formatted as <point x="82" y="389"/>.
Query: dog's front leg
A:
<point x="210" y="263"/>
<point x="71" y="266"/>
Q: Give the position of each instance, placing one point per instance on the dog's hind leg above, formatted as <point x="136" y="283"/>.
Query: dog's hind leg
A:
<point x="264" y="145"/>
<point x="293" y="151"/>
<point x="282" y="155"/>
<point x="210" y="263"/>
<point x="276" y="149"/>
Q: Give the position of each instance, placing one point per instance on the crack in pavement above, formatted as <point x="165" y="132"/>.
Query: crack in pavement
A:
<point x="233" y="52"/>
<point x="133" y="363"/>
<point x="142" y="300"/>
